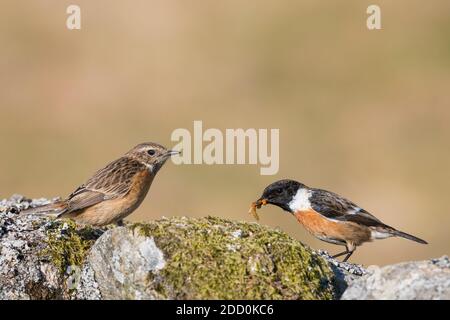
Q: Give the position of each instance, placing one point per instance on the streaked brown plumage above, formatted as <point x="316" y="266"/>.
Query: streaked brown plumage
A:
<point x="115" y="191"/>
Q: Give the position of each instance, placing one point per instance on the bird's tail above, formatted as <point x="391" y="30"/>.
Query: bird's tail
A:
<point x="407" y="236"/>
<point x="53" y="209"/>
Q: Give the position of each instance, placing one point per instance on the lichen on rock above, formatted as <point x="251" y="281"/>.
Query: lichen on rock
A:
<point x="123" y="262"/>
<point x="67" y="244"/>
<point x="214" y="258"/>
<point x="176" y="258"/>
<point x="188" y="258"/>
<point x="36" y="251"/>
<point x="23" y="274"/>
<point x="417" y="280"/>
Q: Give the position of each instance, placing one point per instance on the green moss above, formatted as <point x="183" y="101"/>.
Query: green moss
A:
<point x="66" y="244"/>
<point x="213" y="258"/>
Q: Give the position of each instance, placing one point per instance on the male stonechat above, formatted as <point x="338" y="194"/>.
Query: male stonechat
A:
<point x="113" y="192"/>
<point x="328" y="216"/>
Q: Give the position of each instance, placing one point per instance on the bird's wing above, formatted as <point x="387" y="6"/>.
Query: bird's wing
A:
<point x="111" y="182"/>
<point x="333" y="206"/>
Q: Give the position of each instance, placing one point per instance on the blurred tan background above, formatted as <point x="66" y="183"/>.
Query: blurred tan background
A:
<point x="363" y="113"/>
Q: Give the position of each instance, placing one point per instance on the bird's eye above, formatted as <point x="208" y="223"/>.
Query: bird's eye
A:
<point x="279" y="191"/>
<point x="151" y="152"/>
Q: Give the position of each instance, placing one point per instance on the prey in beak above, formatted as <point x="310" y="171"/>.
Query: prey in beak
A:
<point x="256" y="205"/>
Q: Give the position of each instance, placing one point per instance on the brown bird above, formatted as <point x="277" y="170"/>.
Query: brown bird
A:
<point x="113" y="192"/>
<point x="328" y="216"/>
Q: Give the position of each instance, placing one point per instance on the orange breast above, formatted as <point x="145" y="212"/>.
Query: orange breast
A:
<point x="110" y="211"/>
<point x="324" y="228"/>
<point x="127" y="204"/>
<point x="140" y="186"/>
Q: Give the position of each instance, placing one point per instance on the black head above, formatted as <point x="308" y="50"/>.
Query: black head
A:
<point x="281" y="193"/>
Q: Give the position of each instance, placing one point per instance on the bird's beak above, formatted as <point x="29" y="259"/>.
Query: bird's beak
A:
<point x="257" y="205"/>
<point x="172" y="153"/>
<point x="261" y="202"/>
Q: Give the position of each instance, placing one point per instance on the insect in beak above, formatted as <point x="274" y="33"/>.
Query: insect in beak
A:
<point x="256" y="205"/>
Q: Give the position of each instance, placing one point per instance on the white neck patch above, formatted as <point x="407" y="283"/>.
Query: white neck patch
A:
<point x="301" y="202"/>
<point x="148" y="166"/>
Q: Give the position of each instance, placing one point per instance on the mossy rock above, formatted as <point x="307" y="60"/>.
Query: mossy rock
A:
<point x="67" y="244"/>
<point x="207" y="258"/>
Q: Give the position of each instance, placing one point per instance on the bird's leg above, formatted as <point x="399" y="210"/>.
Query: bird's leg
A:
<point x="342" y="253"/>
<point x="350" y="248"/>
<point x="348" y="256"/>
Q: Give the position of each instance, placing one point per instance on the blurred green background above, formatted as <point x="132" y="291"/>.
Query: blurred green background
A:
<point x="363" y="113"/>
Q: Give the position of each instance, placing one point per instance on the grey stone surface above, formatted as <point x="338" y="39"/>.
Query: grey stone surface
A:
<point x="418" y="280"/>
<point x="23" y="272"/>
<point x="345" y="272"/>
<point x="86" y="286"/>
<point x="43" y="258"/>
<point x="121" y="261"/>
<point x="125" y="263"/>
<point x="26" y="270"/>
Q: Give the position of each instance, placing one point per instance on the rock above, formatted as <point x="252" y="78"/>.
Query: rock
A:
<point x="206" y="258"/>
<point x="419" y="280"/>
<point x="35" y="252"/>
<point x="122" y="263"/>
<point x="345" y="272"/>
<point x="187" y="258"/>
<point x="176" y="258"/>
